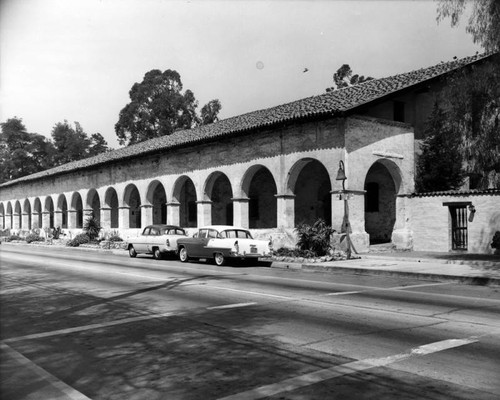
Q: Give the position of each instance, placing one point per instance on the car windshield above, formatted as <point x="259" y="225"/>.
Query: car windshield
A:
<point x="172" y="231"/>
<point x="236" y="233"/>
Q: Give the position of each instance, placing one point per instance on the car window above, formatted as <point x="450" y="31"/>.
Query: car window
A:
<point x="212" y="233"/>
<point x="180" y="232"/>
<point x="146" y="231"/>
<point x="203" y="233"/>
<point x="154" y="231"/>
<point x="236" y="233"/>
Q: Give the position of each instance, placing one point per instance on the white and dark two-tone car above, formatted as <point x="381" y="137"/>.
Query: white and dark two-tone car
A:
<point x="158" y="240"/>
<point x="221" y="243"/>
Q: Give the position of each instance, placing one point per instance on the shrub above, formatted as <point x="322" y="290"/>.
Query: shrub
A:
<point x="13" y="237"/>
<point x="115" y="238"/>
<point x="314" y="241"/>
<point x="79" y="239"/>
<point x="92" y="227"/>
<point x="33" y="237"/>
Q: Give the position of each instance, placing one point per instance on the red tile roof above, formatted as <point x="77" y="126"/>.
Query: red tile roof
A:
<point x="333" y="103"/>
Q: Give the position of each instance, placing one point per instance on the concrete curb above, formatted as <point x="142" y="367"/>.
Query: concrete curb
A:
<point x="476" y="263"/>
<point x="464" y="279"/>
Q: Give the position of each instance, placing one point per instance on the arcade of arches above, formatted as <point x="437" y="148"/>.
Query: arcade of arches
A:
<point x="270" y="193"/>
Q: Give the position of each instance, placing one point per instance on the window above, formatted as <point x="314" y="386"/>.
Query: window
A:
<point x="399" y="111"/>
<point x="146" y="231"/>
<point x="371" y="197"/>
<point x="458" y="219"/>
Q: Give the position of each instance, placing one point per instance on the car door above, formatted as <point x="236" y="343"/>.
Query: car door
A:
<point x="198" y="244"/>
<point x="141" y="244"/>
<point x="152" y="238"/>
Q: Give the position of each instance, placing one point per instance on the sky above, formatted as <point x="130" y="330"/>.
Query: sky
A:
<point x="76" y="60"/>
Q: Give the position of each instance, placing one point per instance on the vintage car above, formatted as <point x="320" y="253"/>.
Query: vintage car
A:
<point x="157" y="240"/>
<point x="222" y="242"/>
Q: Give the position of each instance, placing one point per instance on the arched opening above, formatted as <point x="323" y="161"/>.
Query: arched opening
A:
<point x="49" y="208"/>
<point x="37" y="207"/>
<point x="380" y="203"/>
<point x="111" y="201"/>
<point x="62" y="206"/>
<point x="9" y="218"/>
<point x="132" y="200"/>
<point x="158" y="199"/>
<point x="218" y="190"/>
<point x="77" y="207"/>
<point x="18" y="215"/>
<point x="27" y="212"/>
<point x="2" y="216"/>
<point x="310" y="182"/>
<point x="94" y="202"/>
<point x="185" y="195"/>
<point x="260" y="188"/>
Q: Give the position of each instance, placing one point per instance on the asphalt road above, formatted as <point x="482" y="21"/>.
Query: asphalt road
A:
<point x="102" y="326"/>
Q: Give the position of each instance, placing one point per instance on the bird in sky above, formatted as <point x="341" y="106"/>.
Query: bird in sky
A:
<point x="305" y="70"/>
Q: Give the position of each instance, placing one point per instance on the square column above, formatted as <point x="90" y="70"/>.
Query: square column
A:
<point x="46" y="220"/>
<point x="146" y="215"/>
<point x="105" y="218"/>
<point x="16" y="221"/>
<point x="26" y="221"/>
<point x="286" y="210"/>
<point x="173" y="213"/>
<point x="35" y="218"/>
<point x="58" y="219"/>
<point x="204" y="212"/>
<point x="124" y="217"/>
<point x="72" y="219"/>
<point x="402" y="236"/>
<point x="240" y="212"/>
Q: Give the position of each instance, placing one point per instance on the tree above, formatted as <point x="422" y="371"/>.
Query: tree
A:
<point x="472" y="98"/>
<point x="344" y="78"/>
<point x="484" y="21"/>
<point x="210" y="111"/>
<point x="22" y="153"/>
<point x="439" y="166"/>
<point x="157" y="108"/>
<point x="72" y="144"/>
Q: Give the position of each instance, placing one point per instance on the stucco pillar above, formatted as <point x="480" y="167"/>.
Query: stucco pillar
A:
<point x="146" y="215"/>
<point x="87" y="212"/>
<point x="204" y="212"/>
<point x="124" y="217"/>
<point x="105" y="218"/>
<point x="46" y="219"/>
<point x="173" y="213"/>
<point x="16" y="222"/>
<point x="26" y="221"/>
<point x="58" y="219"/>
<point x="402" y="234"/>
<point x="240" y="212"/>
<point x="72" y="216"/>
<point x="8" y="221"/>
<point x="286" y="210"/>
<point x="35" y="217"/>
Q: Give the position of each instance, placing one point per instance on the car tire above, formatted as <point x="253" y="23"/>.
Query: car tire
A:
<point x="131" y="252"/>
<point x="183" y="255"/>
<point x="219" y="259"/>
<point x="157" y="254"/>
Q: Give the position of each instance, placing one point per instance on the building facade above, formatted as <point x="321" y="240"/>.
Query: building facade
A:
<point x="268" y="170"/>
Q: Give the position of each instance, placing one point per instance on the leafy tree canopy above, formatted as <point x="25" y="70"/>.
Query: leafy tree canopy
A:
<point x="483" y="23"/>
<point x="439" y="166"/>
<point x="158" y="107"/>
<point x="23" y="153"/>
<point x="344" y="78"/>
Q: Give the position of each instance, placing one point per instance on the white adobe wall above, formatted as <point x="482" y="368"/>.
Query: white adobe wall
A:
<point x="431" y="225"/>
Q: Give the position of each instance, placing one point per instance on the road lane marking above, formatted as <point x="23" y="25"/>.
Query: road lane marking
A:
<point x="312" y="378"/>
<point x="237" y="305"/>
<point x="395" y="288"/>
<point x="68" y="391"/>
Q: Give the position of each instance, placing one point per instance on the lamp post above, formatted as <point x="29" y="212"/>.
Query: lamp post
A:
<point x="346" y="227"/>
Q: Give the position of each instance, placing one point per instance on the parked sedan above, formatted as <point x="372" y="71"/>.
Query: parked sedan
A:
<point x="157" y="240"/>
<point x="222" y="242"/>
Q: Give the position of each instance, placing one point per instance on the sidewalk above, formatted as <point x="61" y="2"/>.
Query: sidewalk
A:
<point x="473" y="269"/>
